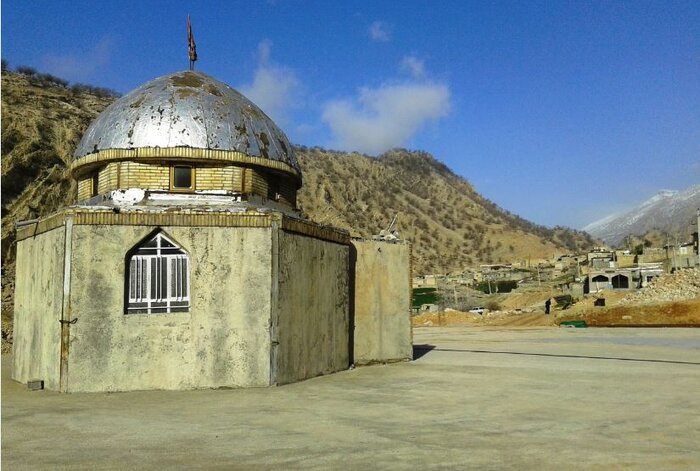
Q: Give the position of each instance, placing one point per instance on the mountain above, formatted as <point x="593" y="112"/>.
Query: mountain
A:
<point x="450" y="224"/>
<point x="669" y="212"/>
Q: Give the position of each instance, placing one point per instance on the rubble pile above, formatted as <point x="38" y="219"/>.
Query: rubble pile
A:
<point x="683" y="284"/>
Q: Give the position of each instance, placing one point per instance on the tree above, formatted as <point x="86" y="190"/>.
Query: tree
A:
<point x="26" y="70"/>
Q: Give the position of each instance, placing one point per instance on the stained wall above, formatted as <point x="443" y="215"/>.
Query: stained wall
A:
<point x="312" y="322"/>
<point x="38" y="308"/>
<point x="222" y="341"/>
<point x="382" y="301"/>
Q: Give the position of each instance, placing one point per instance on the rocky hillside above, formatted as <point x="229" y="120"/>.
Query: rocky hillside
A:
<point x="450" y="224"/>
<point x="669" y="213"/>
<point x="42" y="121"/>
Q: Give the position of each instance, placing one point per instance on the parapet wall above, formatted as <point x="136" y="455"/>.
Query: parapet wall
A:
<point x="311" y="319"/>
<point x="39" y="308"/>
<point x="382" y="301"/>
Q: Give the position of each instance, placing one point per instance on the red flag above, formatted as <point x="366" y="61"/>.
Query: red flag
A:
<point x="191" y="46"/>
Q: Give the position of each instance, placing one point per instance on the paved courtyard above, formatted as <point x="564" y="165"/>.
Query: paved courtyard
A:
<point x="474" y="398"/>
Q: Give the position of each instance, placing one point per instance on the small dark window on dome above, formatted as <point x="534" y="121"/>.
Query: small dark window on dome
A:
<point x="94" y="183"/>
<point x="181" y="177"/>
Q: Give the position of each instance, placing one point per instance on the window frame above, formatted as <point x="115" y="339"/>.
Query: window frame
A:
<point x="192" y="178"/>
<point x="157" y="277"/>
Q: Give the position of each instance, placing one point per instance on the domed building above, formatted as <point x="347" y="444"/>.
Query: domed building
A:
<point x="183" y="136"/>
<point x="185" y="264"/>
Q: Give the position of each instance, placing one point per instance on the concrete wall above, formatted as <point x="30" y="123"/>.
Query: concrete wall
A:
<point x="312" y="320"/>
<point x="223" y="341"/>
<point x="267" y="306"/>
<point x="38" y="307"/>
<point x="626" y="261"/>
<point x="382" y="302"/>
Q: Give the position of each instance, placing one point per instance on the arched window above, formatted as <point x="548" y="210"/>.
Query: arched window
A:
<point x="157" y="277"/>
<point x="620" y="282"/>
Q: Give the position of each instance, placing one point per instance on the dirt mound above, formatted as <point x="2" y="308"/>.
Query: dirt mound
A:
<point x="496" y="318"/>
<point x="667" y="313"/>
<point x="670" y="313"/>
<point x="526" y="300"/>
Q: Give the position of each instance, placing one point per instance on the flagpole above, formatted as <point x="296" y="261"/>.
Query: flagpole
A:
<point x="191" y="46"/>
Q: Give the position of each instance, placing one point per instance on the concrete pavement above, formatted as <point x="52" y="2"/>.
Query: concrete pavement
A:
<point x="476" y="398"/>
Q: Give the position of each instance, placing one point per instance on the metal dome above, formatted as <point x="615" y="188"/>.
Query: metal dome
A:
<point x="187" y="109"/>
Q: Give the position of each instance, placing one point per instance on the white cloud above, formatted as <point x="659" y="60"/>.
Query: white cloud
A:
<point x="264" y="50"/>
<point x="412" y="66"/>
<point x="80" y="66"/>
<point x="305" y="128"/>
<point x="385" y="117"/>
<point x="379" y="31"/>
<point x="275" y="88"/>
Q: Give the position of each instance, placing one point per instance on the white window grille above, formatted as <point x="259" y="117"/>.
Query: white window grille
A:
<point x="158" y="277"/>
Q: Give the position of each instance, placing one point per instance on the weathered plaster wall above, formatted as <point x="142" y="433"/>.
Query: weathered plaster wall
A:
<point x="38" y="305"/>
<point x="312" y="320"/>
<point x="382" y="302"/>
<point x="223" y="341"/>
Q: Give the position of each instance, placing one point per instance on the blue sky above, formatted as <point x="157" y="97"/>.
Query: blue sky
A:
<point x="561" y="112"/>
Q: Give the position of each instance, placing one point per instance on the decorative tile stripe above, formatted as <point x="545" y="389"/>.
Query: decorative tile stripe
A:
<point x="85" y="216"/>
<point x="44" y="225"/>
<point x="315" y="230"/>
<point x="176" y="218"/>
<point x="176" y="153"/>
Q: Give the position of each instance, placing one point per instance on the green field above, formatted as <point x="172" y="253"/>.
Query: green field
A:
<point x="424" y="296"/>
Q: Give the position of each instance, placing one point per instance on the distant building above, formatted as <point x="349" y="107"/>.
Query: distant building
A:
<point x="622" y="278"/>
<point x="682" y="256"/>
<point x="600" y="258"/>
<point x="563" y="262"/>
<point x="652" y="255"/>
<point x="625" y="259"/>
<point x="687" y="254"/>
<point x="424" y="281"/>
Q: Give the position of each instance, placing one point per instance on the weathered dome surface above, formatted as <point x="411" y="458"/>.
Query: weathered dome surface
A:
<point x="187" y="109"/>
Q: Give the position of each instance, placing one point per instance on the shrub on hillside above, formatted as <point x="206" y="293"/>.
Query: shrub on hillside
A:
<point x="78" y="88"/>
<point x="501" y="286"/>
<point x="52" y="80"/>
<point x="26" y="70"/>
<point x="493" y="306"/>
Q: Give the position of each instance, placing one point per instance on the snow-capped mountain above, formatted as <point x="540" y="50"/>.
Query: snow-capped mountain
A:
<point x="669" y="211"/>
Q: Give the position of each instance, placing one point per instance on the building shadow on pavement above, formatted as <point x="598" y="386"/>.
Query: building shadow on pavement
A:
<point x="420" y="350"/>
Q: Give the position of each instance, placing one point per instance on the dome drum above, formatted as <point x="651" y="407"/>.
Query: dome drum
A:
<point x="195" y="156"/>
<point x="186" y="120"/>
<point x="250" y="183"/>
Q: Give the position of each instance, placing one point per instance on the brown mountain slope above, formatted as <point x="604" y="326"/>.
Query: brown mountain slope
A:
<point x="42" y="121"/>
<point x="450" y="225"/>
<point x="41" y="125"/>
